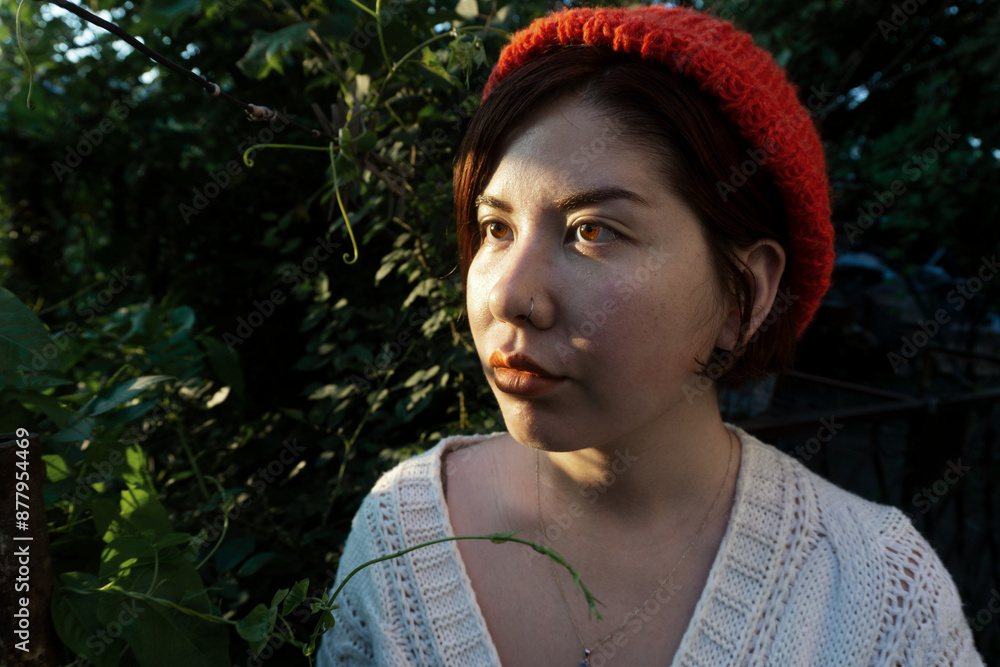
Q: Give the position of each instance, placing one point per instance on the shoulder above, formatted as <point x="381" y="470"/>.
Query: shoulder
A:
<point x="861" y="562"/>
<point x="418" y="482"/>
<point x="394" y="611"/>
<point x="829" y="510"/>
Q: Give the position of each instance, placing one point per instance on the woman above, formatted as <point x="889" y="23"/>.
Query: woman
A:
<point x="643" y="212"/>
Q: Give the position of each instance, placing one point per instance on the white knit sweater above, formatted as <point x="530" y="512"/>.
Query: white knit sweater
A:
<point x="806" y="574"/>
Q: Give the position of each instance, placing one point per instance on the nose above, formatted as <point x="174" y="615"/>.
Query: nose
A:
<point x="521" y="293"/>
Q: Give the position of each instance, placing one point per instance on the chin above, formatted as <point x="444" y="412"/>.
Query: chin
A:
<point x="544" y="432"/>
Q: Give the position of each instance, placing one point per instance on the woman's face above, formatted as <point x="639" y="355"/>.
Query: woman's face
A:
<point x="579" y="220"/>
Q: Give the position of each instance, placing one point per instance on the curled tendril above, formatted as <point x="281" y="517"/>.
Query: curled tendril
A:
<point x="24" y="54"/>
<point x="336" y="186"/>
<point x="343" y="211"/>
<point x="249" y="162"/>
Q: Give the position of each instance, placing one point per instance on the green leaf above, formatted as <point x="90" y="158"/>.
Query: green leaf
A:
<point x="143" y="510"/>
<point x="467" y="54"/>
<point x="225" y="363"/>
<point x="76" y="620"/>
<point x="29" y="379"/>
<point x="131" y="413"/>
<point x="279" y="595"/>
<point x="166" y="637"/>
<point x="296" y="596"/>
<point x="257" y="562"/>
<point x="257" y="627"/>
<point x="76" y="431"/>
<point x="432" y="63"/>
<point x="122" y="553"/>
<point x="53" y="492"/>
<point x="171" y="540"/>
<point x="232" y="552"/>
<point x="51" y="407"/>
<point x="23" y="337"/>
<point x="55" y="467"/>
<point x="175" y="8"/>
<point x="136" y="475"/>
<point x="126" y="392"/>
<point x="268" y="50"/>
<point x="366" y="141"/>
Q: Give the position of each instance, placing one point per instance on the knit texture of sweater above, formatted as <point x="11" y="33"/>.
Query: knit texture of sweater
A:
<point x="806" y="574"/>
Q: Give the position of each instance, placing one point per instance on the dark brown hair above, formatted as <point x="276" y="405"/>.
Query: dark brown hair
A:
<point x="702" y="157"/>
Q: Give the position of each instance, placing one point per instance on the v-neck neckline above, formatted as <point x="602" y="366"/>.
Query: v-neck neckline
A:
<point x="716" y="596"/>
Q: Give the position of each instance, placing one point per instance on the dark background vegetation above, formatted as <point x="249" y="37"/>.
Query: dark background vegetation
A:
<point x="356" y="366"/>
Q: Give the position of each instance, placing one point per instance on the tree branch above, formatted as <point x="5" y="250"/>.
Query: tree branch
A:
<point x="252" y="111"/>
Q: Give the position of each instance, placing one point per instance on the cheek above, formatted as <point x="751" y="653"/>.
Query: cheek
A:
<point x="659" y="323"/>
<point x="477" y="289"/>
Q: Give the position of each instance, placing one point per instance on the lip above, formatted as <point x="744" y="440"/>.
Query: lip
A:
<point x="520" y="375"/>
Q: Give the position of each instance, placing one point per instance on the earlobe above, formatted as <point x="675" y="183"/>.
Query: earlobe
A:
<point x="764" y="264"/>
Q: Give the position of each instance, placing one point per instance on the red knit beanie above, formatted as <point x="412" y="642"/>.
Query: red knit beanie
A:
<point x="753" y="93"/>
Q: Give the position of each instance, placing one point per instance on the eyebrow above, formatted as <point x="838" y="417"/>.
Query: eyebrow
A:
<point x="574" y="201"/>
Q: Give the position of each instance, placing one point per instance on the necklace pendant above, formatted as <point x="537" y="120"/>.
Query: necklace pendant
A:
<point x="586" y="658"/>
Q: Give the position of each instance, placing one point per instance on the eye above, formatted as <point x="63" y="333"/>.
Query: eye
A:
<point x="591" y="232"/>
<point x="497" y="230"/>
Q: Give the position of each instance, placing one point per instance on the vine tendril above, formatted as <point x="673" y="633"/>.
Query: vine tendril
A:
<point x="24" y="54"/>
<point x="246" y="154"/>
<point x="343" y="211"/>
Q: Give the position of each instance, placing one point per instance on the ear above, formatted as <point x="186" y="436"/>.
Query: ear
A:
<point x="765" y="262"/>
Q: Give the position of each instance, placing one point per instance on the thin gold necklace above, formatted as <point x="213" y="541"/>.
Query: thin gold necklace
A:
<point x="663" y="582"/>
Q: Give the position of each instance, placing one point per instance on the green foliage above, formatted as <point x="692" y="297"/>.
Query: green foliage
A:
<point x="215" y="387"/>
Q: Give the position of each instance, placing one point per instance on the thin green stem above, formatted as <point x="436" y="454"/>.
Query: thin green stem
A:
<point x="24" y="54"/>
<point x="156" y="571"/>
<point x="496" y="538"/>
<point x="225" y="528"/>
<point x="343" y="211"/>
<point x="192" y="460"/>
<point x="349" y="443"/>
<point x="57" y="304"/>
<point x="248" y="162"/>
<point x="381" y="37"/>
<point x="364" y="9"/>
<point x="417" y="49"/>
<point x="155" y="600"/>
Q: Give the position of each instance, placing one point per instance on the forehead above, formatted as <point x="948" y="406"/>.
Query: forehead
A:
<point x="572" y="146"/>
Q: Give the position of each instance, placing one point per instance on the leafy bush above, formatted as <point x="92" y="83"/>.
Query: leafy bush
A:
<point x="244" y="384"/>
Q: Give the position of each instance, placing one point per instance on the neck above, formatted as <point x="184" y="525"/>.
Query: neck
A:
<point x="665" y="474"/>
